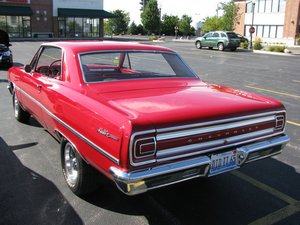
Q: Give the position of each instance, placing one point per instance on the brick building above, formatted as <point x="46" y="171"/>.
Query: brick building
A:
<point x="273" y="20"/>
<point x="53" y="18"/>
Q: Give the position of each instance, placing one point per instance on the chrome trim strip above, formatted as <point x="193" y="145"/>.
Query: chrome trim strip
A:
<point x="210" y="144"/>
<point x="183" y="127"/>
<point x="214" y="149"/>
<point x="82" y="137"/>
<point x="178" y="134"/>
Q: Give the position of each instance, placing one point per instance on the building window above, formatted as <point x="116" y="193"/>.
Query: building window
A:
<point x="268" y="8"/>
<point x="266" y="32"/>
<point x="249" y="7"/>
<point x="273" y="31"/>
<point x="279" y="33"/>
<point x="261" y="7"/>
<point x="275" y="5"/>
<point x="16" y="26"/>
<point x="281" y="5"/>
<point x="78" y="27"/>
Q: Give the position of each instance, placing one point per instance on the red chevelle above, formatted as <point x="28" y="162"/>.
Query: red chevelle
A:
<point x="139" y="115"/>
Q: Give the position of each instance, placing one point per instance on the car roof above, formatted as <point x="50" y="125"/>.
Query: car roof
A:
<point x="87" y="46"/>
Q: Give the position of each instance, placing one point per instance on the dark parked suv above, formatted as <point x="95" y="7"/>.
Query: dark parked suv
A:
<point x="219" y="39"/>
<point x="6" y="58"/>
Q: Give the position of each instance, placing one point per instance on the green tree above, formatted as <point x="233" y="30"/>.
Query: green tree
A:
<point x="231" y="15"/>
<point x="140" y="29"/>
<point x="142" y="2"/>
<point x="119" y="24"/>
<point x="132" y="28"/>
<point x="212" y="23"/>
<point x="151" y="17"/>
<point x="226" y="22"/>
<point x="168" y="24"/>
<point x="185" y="24"/>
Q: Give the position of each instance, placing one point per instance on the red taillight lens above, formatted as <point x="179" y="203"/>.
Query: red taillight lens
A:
<point x="144" y="147"/>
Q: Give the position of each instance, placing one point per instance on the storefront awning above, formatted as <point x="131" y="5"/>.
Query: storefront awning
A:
<point x="15" y="10"/>
<point x="90" y="13"/>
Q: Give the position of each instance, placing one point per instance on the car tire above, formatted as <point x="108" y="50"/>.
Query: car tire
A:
<point x="221" y="46"/>
<point x="198" y="45"/>
<point x="80" y="177"/>
<point x="233" y="49"/>
<point x="20" y="114"/>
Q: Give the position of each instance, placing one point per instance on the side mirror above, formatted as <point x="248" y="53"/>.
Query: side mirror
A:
<point x="28" y="68"/>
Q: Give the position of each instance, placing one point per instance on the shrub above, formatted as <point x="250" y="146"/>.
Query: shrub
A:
<point x="257" y="43"/>
<point x="244" y="45"/>
<point x="152" y="38"/>
<point x="298" y="41"/>
<point x="277" y="48"/>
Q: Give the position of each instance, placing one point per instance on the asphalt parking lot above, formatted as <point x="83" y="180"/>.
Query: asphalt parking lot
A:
<point x="33" y="191"/>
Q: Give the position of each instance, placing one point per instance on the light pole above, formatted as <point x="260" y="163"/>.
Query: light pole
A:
<point x="176" y="31"/>
<point x="252" y="30"/>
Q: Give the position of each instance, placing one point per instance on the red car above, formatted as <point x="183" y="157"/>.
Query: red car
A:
<point x="139" y="115"/>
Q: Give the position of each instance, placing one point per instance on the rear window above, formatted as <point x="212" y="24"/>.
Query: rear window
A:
<point x="232" y="35"/>
<point x="125" y="65"/>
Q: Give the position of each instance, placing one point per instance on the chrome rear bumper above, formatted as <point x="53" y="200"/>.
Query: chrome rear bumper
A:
<point x="140" y="181"/>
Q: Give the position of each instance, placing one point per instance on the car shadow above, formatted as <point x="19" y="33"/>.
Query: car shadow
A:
<point x="240" y="50"/>
<point x="27" y="197"/>
<point x="224" y="199"/>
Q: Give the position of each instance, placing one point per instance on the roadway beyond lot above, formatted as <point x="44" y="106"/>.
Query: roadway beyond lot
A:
<point x="33" y="191"/>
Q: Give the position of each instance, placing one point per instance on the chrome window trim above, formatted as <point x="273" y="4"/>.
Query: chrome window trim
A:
<point x="220" y="127"/>
<point x="135" y="51"/>
<point x="183" y="127"/>
<point x="75" y="132"/>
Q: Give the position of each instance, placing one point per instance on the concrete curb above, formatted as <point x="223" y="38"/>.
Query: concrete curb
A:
<point x="275" y="53"/>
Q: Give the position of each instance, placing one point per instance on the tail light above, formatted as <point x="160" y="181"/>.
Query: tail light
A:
<point x="142" y="148"/>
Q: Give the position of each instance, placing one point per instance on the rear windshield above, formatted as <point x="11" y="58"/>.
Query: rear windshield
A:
<point x="124" y="65"/>
<point x="232" y="35"/>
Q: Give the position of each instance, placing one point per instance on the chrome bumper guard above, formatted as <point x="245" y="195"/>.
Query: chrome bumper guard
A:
<point x="140" y="181"/>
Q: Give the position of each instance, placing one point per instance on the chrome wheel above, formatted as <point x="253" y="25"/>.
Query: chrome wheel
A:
<point x="198" y="45"/>
<point x="20" y="114"/>
<point x="71" y="165"/>
<point x="16" y="106"/>
<point x="221" y="47"/>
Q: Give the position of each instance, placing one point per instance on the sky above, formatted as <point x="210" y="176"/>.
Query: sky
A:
<point x="197" y="9"/>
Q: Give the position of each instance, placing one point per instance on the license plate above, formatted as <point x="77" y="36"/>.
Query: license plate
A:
<point x="223" y="162"/>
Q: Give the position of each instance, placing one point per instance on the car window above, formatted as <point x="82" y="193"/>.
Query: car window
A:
<point x="49" y="62"/>
<point x="208" y="35"/>
<point x="223" y="35"/>
<point x="216" y="35"/>
<point x="115" y="66"/>
<point x="232" y="35"/>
